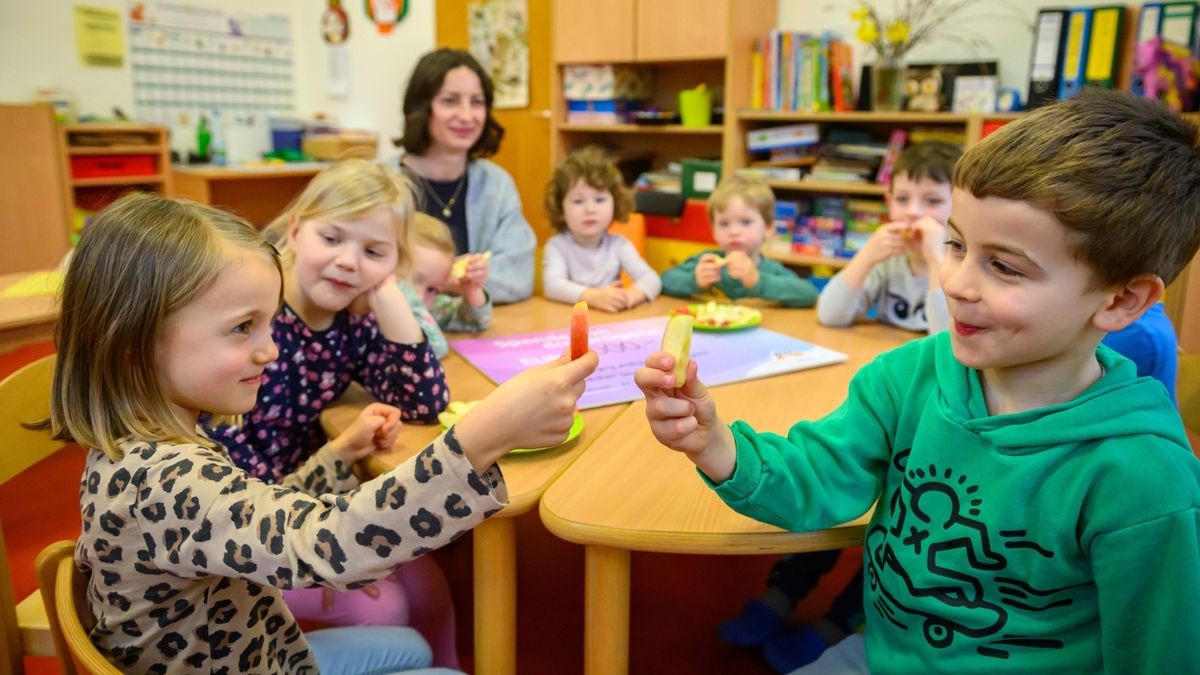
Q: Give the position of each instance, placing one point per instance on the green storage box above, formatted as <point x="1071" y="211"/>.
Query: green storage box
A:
<point x="700" y="177"/>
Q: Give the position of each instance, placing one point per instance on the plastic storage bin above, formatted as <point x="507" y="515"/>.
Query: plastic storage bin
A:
<point x="106" y="166"/>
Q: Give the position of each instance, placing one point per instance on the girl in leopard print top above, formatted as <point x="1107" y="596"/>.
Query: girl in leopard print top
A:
<point x="344" y="239"/>
<point x="167" y="309"/>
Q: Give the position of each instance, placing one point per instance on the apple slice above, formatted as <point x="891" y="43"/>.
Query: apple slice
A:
<point x="677" y="341"/>
<point x="579" y="330"/>
<point x="459" y="269"/>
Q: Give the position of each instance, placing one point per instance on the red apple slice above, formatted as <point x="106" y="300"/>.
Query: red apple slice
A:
<point x="579" y="330"/>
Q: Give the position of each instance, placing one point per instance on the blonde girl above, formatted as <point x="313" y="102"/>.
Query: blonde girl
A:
<point x="584" y="261"/>
<point x="167" y="314"/>
<point x="344" y="239"/>
<point x="469" y="311"/>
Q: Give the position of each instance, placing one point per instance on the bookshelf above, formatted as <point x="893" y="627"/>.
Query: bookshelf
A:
<point x="685" y="43"/>
<point x="878" y="124"/>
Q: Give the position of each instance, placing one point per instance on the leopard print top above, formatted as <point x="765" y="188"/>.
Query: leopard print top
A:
<point x="186" y="554"/>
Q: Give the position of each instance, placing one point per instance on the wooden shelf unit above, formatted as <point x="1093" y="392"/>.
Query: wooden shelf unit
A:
<point x="713" y="47"/>
<point x="803" y="260"/>
<point x="91" y="193"/>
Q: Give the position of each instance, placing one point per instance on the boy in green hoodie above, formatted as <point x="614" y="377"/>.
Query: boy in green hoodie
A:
<point x="1037" y="506"/>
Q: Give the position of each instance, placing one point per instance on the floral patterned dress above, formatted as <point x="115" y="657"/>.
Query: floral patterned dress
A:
<point x="314" y="368"/>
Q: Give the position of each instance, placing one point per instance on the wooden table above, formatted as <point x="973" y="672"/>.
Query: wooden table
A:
<point x="628" y="493"/>
<point x="527" y="476"/>
<point x="25" y="319"/>
<point x="256" y="193"/>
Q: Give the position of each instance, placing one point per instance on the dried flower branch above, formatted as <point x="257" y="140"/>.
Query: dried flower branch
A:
<point x="916" y="21"/>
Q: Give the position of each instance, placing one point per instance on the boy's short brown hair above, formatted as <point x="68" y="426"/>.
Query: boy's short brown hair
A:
<point x="592" y="166"/>
<point x="931" y="159"/>
<point x="1120" y="172"/>
<point x="754" y="192"/>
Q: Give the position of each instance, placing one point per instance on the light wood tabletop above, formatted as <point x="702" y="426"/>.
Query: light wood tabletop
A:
<point x="629" y="493"/>
<point x="526" y="476"/>
<point x="25" y="319"/>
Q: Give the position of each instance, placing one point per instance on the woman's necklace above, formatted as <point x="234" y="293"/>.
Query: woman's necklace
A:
<point x="448" y="205"/>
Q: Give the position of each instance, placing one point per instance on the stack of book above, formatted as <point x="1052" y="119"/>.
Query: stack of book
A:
<point x="802" y="72"/>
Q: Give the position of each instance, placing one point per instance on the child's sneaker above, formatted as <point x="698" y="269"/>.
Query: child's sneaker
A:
<point x="794" y="650"/>
<point x="756" y="625"/>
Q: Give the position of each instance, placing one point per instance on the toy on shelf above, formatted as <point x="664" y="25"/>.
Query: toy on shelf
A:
<point x="1168" y="72"/>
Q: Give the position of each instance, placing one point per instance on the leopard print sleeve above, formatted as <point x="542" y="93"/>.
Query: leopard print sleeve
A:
<point x="206" y="517"/>
<point x="322" y="473"/>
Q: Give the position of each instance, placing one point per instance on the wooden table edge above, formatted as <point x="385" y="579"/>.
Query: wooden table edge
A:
<point x="741" y="543"/>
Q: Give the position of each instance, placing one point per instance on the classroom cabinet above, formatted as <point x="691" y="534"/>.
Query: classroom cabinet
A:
<point x="627" y="31"/>
<point x="33" y="189"/>
<point x="678" y="30"/>
<point x="586" y="31"/>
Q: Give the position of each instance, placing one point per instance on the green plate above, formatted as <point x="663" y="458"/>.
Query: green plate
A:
<point x="741" y="325"/>
<point x="576" y="427"/>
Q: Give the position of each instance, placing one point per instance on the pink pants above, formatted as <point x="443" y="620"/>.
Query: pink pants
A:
<point x="416" y="595"/>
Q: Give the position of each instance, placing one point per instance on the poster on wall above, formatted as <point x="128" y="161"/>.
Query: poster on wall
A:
<point x="189" y="60"/>
<point x="500" y="42"/>
<point x="98" y="37"/>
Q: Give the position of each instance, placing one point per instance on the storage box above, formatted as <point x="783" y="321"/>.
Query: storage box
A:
<point x="342" y="145"/>
<point x="700" y="176"/>
<point x="791" y="136"/>
<point x="606" y="111"/>
<point x="607" y="82"/>
<point x="98" y="166"/>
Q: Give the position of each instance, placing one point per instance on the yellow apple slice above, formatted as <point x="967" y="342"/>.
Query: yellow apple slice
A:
<point x="677" y="341"/>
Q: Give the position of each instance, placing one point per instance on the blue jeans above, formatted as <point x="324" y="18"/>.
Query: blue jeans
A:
<point x="372" y="650"/>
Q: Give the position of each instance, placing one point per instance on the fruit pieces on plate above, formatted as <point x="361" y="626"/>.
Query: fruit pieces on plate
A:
<point x="579" y="330"/>
<point x="714" y="315"/>
<point x="459" y="269"/>
<point x="454" y="411"/>
<point x="677" y="341"/>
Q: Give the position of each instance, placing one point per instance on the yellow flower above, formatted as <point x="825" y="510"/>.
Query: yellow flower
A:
<point x="860" y="14"/>
<point x="897" y="33"/>
<point x="867" y="32"/>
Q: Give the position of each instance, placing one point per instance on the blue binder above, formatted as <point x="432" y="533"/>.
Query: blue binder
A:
<point x="1074" y="59"/>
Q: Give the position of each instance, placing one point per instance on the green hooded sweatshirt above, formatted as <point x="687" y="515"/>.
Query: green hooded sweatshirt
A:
<point x="1064" y="539"/>
<point x="775" y="282"/>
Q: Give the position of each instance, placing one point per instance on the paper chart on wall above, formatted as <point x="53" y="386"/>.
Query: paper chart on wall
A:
<point x="722" y="358"/>
<point x="190" y="59"/>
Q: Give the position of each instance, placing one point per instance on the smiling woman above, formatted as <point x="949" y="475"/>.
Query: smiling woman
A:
<point x="448" y="132"/>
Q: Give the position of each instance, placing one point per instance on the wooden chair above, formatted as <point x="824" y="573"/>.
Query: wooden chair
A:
<point x="24" y="397"/>
<point x="633" y="229"/>
<point x="64" y="595"/>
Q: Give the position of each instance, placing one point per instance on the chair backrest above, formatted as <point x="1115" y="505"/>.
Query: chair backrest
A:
<point x="633" y="229"/>
<point x="24" y="397"/>
<point x="64" y="593"/>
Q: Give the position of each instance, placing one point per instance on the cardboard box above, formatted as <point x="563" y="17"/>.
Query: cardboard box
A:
<point x="342" y="145"/>
<point x="607" y="82"/>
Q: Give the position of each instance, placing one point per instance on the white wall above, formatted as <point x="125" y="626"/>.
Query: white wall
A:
<point x="1006" y="25"/>
<point x="37" y="49"/>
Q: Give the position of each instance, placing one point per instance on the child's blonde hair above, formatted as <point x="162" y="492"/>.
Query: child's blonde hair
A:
<point x="432" y="233"/>
<point x="755" y="193"/>
<point x="140" y="260"/>
<point x="592" y="166"/>
<point x="349" y="189"/>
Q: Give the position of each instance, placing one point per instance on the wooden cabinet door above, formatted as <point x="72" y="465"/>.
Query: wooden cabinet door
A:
<point x="35" y="217"/>
<point x="682" y="29"/>
<point x="593" y="31"/>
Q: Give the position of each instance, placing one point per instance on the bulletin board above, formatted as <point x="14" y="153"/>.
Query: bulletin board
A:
<point x="188" y="59"/>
